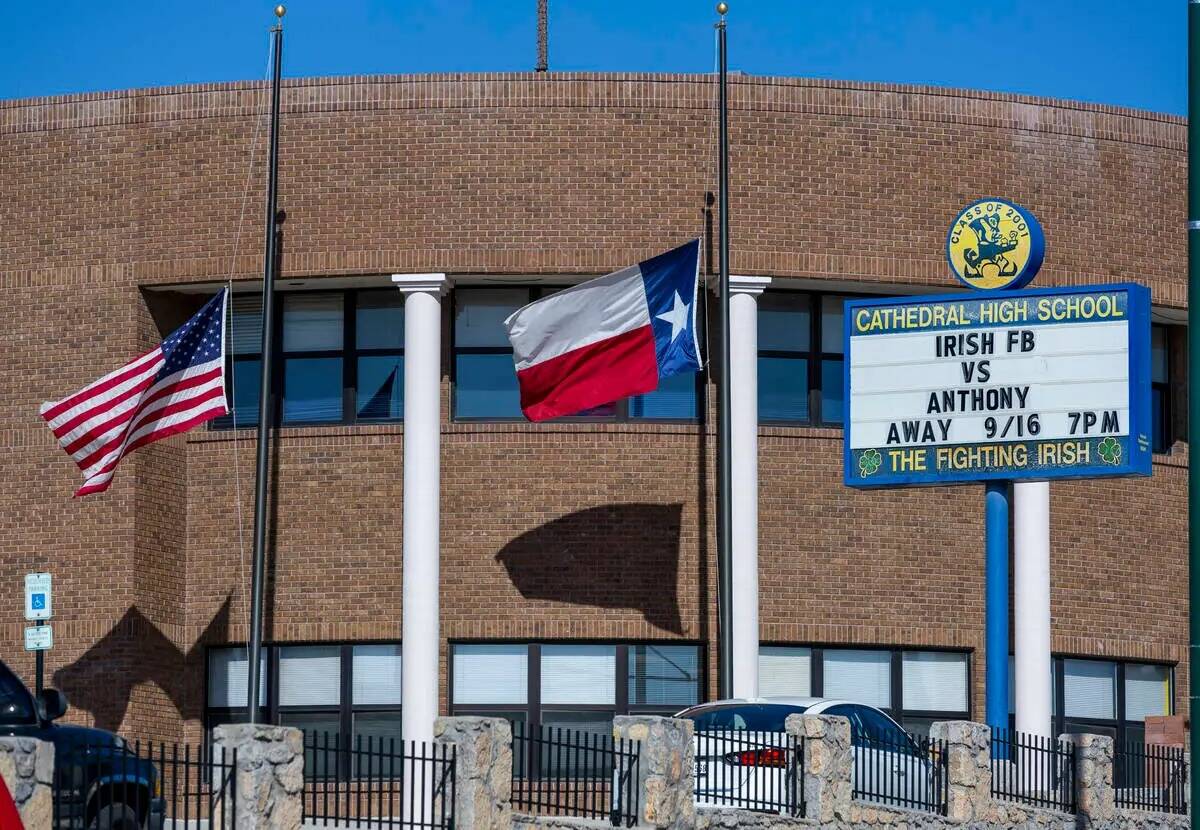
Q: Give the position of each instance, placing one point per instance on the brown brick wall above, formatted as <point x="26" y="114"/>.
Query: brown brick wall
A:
<point x="561" y="531"/>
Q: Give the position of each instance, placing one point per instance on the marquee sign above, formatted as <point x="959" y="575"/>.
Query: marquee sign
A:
<point x="1041" y="383"/>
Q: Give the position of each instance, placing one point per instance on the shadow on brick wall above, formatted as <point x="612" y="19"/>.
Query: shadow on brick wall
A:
<point x="616" y="556"/>
<point x="135" y="651"/>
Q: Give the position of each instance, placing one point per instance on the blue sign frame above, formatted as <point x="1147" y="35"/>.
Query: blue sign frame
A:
<point x="1136" y="452"/>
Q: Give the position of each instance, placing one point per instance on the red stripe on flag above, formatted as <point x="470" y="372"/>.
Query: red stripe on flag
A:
<point x="136" y="413"/>
<point x="140" y="421"/>
<point x="165" y="432"/>
<point x="100" y="409"/>
<point x="589" y="376"/>
<point x="123" y="374"/>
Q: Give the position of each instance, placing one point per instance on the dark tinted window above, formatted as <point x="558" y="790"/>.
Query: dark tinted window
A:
<point x="752" y="717"/>
<point x="16" y="704"/>
<point x="869" y="727"/>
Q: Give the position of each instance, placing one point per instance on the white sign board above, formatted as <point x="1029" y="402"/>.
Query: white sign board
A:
<point x="1045" y="383"/>
<point x="37" y="596"/>
<point x="39" y="637"/>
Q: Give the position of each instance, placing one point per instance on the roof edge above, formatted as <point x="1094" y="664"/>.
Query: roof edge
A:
<point x="598" y="89"/>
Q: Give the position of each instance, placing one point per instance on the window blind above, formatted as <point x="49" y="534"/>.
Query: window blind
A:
<point x="245" y="324"/>
<point x="935" y="681"/>
<point x="784" y="672"/>
<point x="831" y="324"/>
<point x="312" y="322"/>
<point x="860" y="676"/>
<point x="310" y="676"/>
<point x="1147" y="691"/>
<point x="379" y="320"/>
<point x="579" y="674"/>
<point x="479" y="315"/>
<point x="1089" y="689"/>
<point x="491" y="674"/>
<point x="376" y="674"/>
<point x="228" y="678"/>
<point x="661" y="675"/>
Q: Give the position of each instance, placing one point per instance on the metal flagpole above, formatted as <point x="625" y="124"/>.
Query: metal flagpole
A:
<point x="264" y="391"/>
<point x="1193" y="398"/>
<point x="724" y="436"/>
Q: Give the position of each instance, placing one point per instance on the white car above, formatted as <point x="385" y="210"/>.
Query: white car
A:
<point x="744" y="758"/>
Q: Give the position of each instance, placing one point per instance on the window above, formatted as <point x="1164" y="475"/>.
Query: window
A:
<point x="663" y="675"/>
<point x="16" y="704"/>
<point x="578" y="686"/>
<point x="343" y="693"/>
<point x="1110" y="698"/>
<point x="784" y="672"/>
<point x="1160" y="389"/>
<point x="340" y="357"/>
<point x="1103" y="697"/>
<point x="915" y="687"/>
<point x="485" y="381"/>
<point x="863" y="676"/>
<point x="800" y="358"/>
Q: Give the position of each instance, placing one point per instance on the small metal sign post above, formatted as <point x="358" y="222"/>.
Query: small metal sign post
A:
<point x="38" y="637"/>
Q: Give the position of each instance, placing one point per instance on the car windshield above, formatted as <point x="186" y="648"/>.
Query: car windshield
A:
<point x="16" y="704"/>
<point x="756" y="717"/>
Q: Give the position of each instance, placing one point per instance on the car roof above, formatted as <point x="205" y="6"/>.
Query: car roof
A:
<point x="784" y="701"/>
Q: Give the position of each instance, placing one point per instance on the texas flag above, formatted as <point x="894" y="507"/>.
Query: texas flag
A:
<point x="608" y="338"/>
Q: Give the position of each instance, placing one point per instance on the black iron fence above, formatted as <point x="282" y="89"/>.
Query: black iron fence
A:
<point x="1033" y="769"/>
<point x="567" y="772"/>
<point x="751" y="770"/>
<point x="113" y="783"/>
<point x="901" y="770"/>
<point x="377" y="782"/>
<point x="1151" y="777"/>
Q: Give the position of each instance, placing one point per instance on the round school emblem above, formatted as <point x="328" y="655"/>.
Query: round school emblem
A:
<point x="994" y="244"/>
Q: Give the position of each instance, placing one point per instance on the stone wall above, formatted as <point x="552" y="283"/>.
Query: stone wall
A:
<point x="270" y="775"/>
<point x="27" y="767"/>
<point x="827" y="776"/>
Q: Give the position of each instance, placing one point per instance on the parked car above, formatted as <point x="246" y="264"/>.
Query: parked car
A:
<point x="743" y="759"/>
<point x="100" y="783"/>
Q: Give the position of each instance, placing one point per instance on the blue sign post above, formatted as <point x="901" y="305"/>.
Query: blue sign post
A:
<point x="996" y="513"/>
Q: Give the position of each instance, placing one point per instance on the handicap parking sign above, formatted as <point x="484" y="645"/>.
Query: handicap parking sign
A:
<point x="37" y="596"/>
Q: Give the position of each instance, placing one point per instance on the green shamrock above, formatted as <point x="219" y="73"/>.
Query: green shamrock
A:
<point x="869" y="462"/>
<point x="1110" y="450"/>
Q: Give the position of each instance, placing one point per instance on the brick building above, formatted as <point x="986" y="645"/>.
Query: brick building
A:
<point x="578" y="563"/>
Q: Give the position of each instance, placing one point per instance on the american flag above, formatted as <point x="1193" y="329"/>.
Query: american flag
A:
<point x="166" y="391"/>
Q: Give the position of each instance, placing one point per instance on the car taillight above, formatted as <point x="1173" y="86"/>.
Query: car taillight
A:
<point x="773" y="757"/>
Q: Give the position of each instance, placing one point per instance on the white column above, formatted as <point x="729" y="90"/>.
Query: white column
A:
<point x="743" y="421"/>
<point x="422" y="495"/>
<point x="1031" y="606"/>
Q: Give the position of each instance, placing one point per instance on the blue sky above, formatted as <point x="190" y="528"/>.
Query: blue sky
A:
<point x="1110" y="51"/>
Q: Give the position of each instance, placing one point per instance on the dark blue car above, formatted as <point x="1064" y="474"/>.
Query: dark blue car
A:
<point x="99" y="782"/>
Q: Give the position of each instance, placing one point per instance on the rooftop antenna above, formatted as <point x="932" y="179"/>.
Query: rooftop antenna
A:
<point x="542" y="37"/>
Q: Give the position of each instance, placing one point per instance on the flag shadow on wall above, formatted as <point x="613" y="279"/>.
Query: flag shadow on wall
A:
<point x="136" y="651"/>
<point x="615" y="556"/>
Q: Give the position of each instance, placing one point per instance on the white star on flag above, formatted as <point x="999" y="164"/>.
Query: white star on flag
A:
<point x="677" y="316"/>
